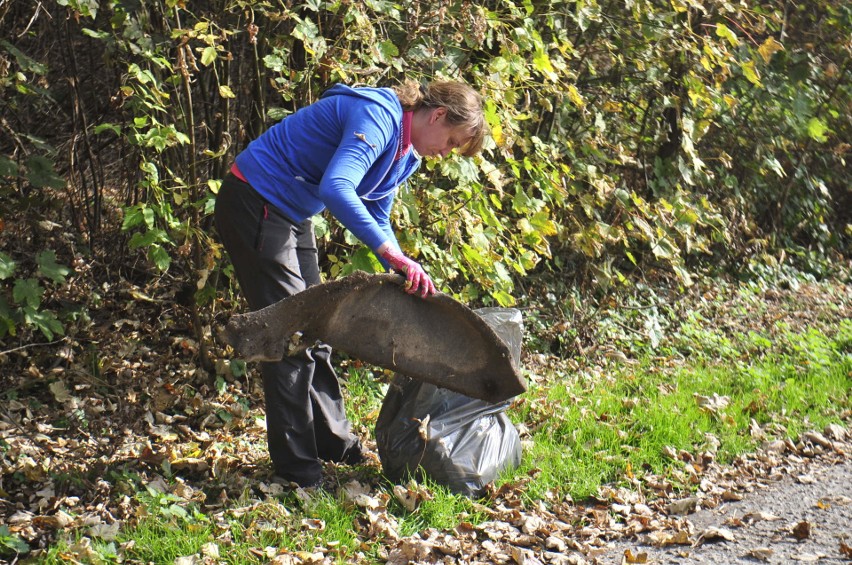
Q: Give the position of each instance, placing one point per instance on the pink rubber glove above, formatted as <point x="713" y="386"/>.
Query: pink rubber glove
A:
<point x="415" y="276"/>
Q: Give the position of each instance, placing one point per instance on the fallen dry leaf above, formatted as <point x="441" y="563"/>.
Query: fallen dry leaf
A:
<point x="423" y="427"/>
<point x="210" y="549"/>
<point x="665" y="539"/>
<point x="835" y="431"/>
<point x="712" y="534"/>
<point x="630" y="557"/>
<point x="107" y="532"/>
<point x="817" y="438"/>
<point x="60" y="392"/>
<point x="760" y="516"/>
<point x="412" y="495"/>
<point x="731" y="496"/>
<point x="760" y="553"/>
<point x="809" y="557"/>
<point x="555" y="544"/>
<point x="685" y="506"/>
<point x="712" y="404"/>
<point x="802" y="530"/>
<point x="313" y="524"/>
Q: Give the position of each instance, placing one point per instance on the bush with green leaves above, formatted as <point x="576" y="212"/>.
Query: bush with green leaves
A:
<point x="625" y="138"/>
<point x="22" y="295"/>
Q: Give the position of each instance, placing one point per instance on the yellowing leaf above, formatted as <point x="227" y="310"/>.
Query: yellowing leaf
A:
<point x="750" y="72"/>
<point x="817" y="129"/>
<point x="725" y="33"/>
<point x="611" y="106"/>
<point x="542" y="63"/>
<point x="769" y="48"/>
<point x="208" y="55"/>
<point x="574" y="96"/>
<point x="226" y="92"/>
<point x="679" y="6"/>
<point x="543" y="224"/>
<point x="497" y="133"/>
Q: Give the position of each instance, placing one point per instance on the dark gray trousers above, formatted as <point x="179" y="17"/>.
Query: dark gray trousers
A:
<point x="274" y="258"/>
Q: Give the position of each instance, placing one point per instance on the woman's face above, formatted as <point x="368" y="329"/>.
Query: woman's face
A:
<point x="432" y="135"/>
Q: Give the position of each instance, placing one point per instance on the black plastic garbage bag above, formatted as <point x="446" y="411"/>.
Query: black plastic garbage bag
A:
<point x="457" y="441"/>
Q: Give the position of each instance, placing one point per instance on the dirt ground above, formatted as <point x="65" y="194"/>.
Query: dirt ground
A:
<point x="802" y="514"/>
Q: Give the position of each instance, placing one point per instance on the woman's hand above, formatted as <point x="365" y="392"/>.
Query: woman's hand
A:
<point x="415" y="277"/>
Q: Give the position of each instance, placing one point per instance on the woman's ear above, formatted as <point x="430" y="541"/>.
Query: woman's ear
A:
<point x="437" y="114"/>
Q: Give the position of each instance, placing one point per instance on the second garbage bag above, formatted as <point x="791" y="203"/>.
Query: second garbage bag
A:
<point x="457" y="441"/>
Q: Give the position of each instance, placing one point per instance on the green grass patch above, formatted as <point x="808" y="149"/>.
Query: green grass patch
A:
<point x="601" y="425"/>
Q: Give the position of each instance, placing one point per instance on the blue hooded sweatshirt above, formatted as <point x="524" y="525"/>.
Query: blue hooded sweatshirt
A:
<point x="337" y="153"/>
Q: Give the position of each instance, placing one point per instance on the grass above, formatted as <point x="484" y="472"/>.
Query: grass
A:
<point x="601" y="425"/>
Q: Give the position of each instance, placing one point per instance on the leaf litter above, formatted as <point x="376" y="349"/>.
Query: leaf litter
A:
<point x="125" y="408"/>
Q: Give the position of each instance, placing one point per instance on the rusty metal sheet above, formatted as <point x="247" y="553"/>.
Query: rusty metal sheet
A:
<point x="370" y="317"/>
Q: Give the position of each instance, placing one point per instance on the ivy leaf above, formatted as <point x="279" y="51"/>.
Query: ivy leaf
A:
<point x="44" y="320"/>
<point x="574" y="96"/>
<point x="725" y="33"/>
<point x="26" y="63"/>
<point x="364" y="260"/>
<point x="7" y="318"/>
<point x="8" y="168"/>
<point x="503" y="298"/>
<point x="543" y="224"/>
<point x="12" y="541"/>
<point x="750" y="72"/>
<point x="40" y="173"/>
<point x="817" y="129"/>
<point x="769" y="48"/>
<point x="160" y="257"/>
<point x="664" y="249"/>
<point x="100" y="128"/>
<point x="208" y="55"/>
<point x="48" y="267"/>
<point x="95" y="34"/>
<point x="387" y="50"/>
<point x="773" y="164"/>
<point x="541" y="61"/>
<point x="473" y="255"/>
<point x="463" y="170"/>
<point x="27" y="291"/>
<point x="7" y="266"/>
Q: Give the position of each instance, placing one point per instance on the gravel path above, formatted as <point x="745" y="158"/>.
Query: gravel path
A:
<point x="802" y="518"/>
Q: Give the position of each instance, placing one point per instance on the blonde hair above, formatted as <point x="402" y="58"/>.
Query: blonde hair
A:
<point x="463" y="104"/>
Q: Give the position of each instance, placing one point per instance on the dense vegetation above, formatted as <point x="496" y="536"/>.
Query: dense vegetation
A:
<point x="628" y="138"/>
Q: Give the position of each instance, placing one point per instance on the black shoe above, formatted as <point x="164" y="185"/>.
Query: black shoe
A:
<point x="354" y="455"/>
<point x="303" y="484"/>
